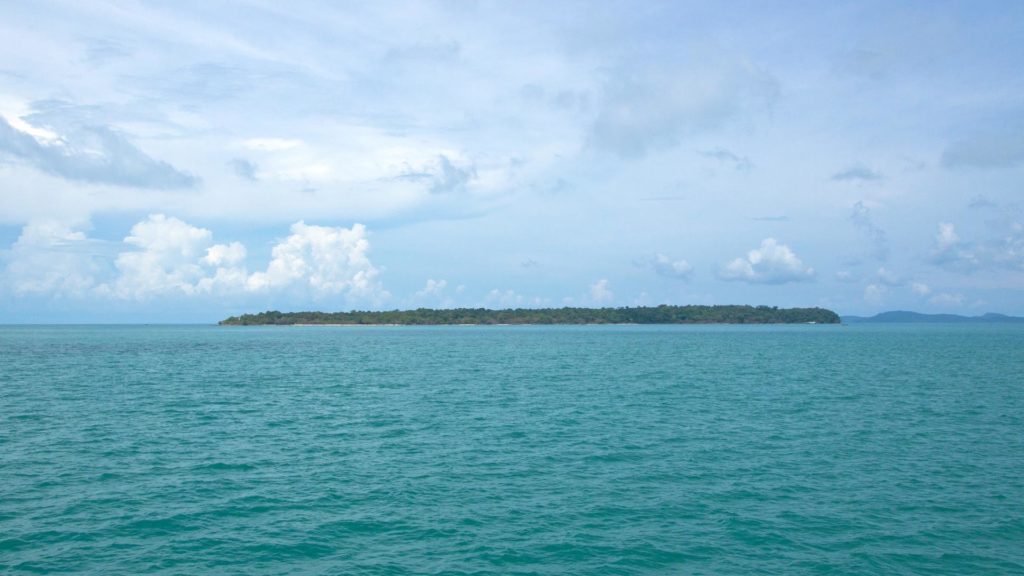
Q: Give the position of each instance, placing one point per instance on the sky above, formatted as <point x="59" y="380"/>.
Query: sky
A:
<point x="188" y="161"/>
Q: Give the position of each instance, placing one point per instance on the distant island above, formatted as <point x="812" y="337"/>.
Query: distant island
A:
<point x="663" y="314"/>
<point x="905" y="316"/>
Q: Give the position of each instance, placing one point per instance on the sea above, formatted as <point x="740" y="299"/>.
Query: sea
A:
<point x="811" y="449"/>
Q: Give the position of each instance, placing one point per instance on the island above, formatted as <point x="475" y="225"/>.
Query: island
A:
<point x="901" y="316"/>
<point x="664" y="314"/>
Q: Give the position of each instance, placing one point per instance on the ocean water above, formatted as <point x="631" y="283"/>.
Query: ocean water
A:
<point x="895" y="449"/>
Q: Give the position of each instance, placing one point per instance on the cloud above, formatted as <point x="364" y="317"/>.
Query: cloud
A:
<point x="772" y="263"/>
<point x="225" y="254"/>
<point x="740" y="163"/>
<point x="167" y="259"/>
<point x="432" y="288"/>
<point x="86" y="153"/>
<point x="920" y="288"/>
<point x="857" y="172"/>
<point x="163" y="256"/>
<point x="443" y="176"/>
<point x="846" y="277"/>
<point x="992" y="151"/>
<point x="1011" y="250"/>
<point x="436" y="292"/>
<point x="888" y="277"/>
<point x="861" y="218"/>
<point x="50" y="257"/>
<point x="600" y="292"/>
<point x="875" y="293"/>
<point x="325" y="260"/>
<point x="647" y="107"/>
<point x="272" y="144"/>
<point x="669" y="268"/>
<point x="244" y="169"/>
<point x="949" y="251"/>
<point x="949" y="300"/>
<point x="504" y="298"/>
<point x="451" y="178"/>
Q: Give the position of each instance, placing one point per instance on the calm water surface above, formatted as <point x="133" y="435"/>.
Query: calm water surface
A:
<point x="544" y="450"/>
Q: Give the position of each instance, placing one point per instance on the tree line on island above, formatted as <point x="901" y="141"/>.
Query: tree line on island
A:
<point x="664" y="314"/>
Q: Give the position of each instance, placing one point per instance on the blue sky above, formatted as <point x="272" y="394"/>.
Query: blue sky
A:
<point x="179" y="162"/>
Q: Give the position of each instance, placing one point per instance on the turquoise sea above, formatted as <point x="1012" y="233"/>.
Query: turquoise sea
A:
<point x="862" y="449"/>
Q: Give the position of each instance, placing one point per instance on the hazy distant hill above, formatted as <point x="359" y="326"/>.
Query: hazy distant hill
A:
<point x="905" y="316"/>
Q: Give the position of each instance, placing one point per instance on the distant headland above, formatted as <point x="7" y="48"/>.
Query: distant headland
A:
<point x="905" y="316"/>
<point x="663" y="314"/>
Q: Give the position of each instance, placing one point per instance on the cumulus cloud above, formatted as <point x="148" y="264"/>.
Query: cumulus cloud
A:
<point x="326" y="260"/>
<point x="991" y="151"/>
<point x="167" y="258"/>
<point x="857" y="172"/>
<point x="920" y="288"/>
<point x="164" y="256"/>
<point x="504" y="298"/>
<point x="600" y="291"/>
<point x="50" y="257"/>
<point x="436" y="291"/>
<point x="86" y="153"/>
<point x="433" y="288"/>
<point x="669" y="268"/>
<point x="772" y="263"/>
<point x="860" y="215"/>
<point x="949" y="251"/>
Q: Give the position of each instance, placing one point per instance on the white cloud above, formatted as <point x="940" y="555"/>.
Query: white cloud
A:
<point x="772" y="263"/>
<point x="600" y="292"/>
<point x="920" y="288"/>
<point x="436" y="293"/>
<point x="326" y="260"/>
<point x="949" y="300"/>
<point x="950" y="251"/>
<point x="271" y="144"/>
<point x="846" y="276"/>
<point x="50" y="257"/>
<point x="168" y="258"/>
<point x="875" y="293"/>
<point x="225" y="254"/>
<point x="432" y="288"/>
<point x="946" y="237"/>
<point x="669" y="268"/>
<point x="165" y="256"/>
<point x="505" y="299"/>
<point x="888" y="277"/>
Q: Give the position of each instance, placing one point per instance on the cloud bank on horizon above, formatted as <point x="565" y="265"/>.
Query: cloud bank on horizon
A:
<point x="189" y="162"/>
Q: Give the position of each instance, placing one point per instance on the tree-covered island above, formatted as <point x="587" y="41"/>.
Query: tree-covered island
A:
<point x="663" y="314"/>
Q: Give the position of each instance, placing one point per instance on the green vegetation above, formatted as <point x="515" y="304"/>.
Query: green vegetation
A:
<point x="641" y="315"/>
